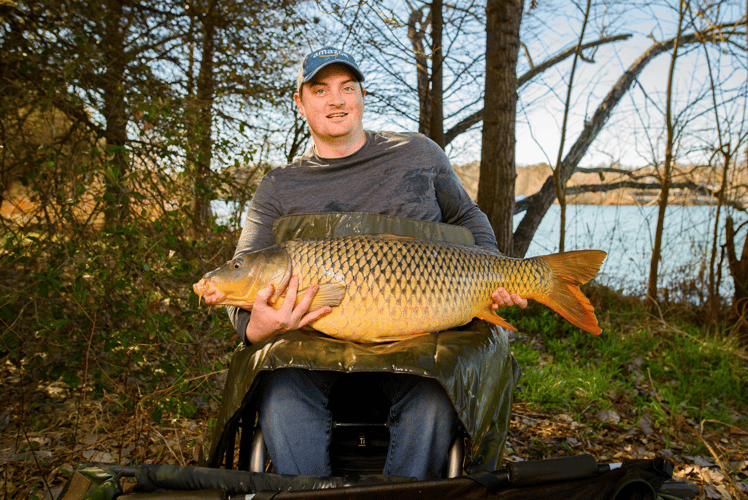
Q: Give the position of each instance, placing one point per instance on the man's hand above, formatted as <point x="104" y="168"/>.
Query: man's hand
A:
<point x="502" y="298"/>
<point x="266" y="321"/>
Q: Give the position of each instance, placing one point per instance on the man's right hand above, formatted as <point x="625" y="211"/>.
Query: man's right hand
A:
<point x="266" y="321"/>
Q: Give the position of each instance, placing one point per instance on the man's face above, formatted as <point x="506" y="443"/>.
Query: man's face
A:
<point x="333" y="104"/>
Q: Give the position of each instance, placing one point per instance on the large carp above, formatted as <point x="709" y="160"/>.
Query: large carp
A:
<point x="384" y="287"/>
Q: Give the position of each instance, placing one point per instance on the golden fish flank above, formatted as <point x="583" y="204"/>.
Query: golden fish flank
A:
<point x="385" y="287"/>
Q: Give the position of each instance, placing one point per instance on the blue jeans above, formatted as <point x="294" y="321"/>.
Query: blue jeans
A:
<point x="297" y="424"/>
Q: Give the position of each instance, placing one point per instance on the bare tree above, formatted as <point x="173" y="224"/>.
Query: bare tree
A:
<point x="421" y="61"/>
<point x="726" y="152"/>
<point x="558" y="184"/>
<point x="242" y="49"/>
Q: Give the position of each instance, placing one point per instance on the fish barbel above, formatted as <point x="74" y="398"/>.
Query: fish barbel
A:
<point x="384" y="288"/>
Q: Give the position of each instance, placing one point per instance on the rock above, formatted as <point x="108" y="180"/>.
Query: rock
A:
<point x="608" y="417"/>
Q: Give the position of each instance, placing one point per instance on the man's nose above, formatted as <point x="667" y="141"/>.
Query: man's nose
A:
<point x="336" y="98"/>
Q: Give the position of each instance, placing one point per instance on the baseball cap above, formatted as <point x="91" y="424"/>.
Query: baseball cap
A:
<point x="320" y="58"/>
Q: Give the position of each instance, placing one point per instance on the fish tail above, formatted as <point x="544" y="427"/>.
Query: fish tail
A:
<point x="568" y="271"/>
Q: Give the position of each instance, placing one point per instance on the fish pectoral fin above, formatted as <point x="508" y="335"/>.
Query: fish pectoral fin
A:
<point x="329" y="294"/>
<point x="494" y="318"/>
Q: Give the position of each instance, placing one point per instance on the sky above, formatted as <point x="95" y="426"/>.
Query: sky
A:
<point x="634" y="135"/>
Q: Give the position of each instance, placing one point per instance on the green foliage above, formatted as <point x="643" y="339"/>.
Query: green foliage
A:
<point x="112" y="314"/>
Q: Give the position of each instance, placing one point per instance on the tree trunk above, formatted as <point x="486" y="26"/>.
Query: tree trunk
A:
<point x="713" y="295"/>
<point x="191" y="107"/>
<point x="202" y="191"/>
<point x="559" y="185"/>
<point x="497" y="168"/>
<point x="739" y="273"/>
<point x="416" y="33"/>
<point x="666" y="178"/>
<point x="437" y="74"/>
<point x="114" y="109"/>
<point x="726" y="152"/>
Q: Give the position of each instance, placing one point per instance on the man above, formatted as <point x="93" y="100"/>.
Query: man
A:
<point x="350" y="169"/>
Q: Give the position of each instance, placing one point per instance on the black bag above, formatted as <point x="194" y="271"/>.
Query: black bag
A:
<point x="566" y="478"/>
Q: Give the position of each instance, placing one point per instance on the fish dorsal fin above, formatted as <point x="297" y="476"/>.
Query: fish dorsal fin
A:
<point x="393" y="237"/>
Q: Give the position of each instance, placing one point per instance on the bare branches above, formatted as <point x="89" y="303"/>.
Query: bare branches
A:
<point x="537" y="205"/>
<point x="471" y="120"/>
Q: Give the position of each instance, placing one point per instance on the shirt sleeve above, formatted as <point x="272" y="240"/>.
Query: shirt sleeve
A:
<point x="257" y="234"/>
<point x="456" y="205"/>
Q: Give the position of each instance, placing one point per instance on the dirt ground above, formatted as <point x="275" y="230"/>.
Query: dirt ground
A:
<point x="48" y="431"/>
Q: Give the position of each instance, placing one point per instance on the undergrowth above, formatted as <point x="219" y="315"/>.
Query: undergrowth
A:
<point x="111" y="316"/>
<point x="105" y="346"/>
<point x="658" y="368"/>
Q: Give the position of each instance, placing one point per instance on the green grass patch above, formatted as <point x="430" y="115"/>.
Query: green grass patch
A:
<point x="654" y="368"/>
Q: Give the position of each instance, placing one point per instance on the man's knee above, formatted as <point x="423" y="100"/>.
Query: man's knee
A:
<point x="434" y="404"/>
<point x="423" y="400"/>
<point x="289" y="385"/>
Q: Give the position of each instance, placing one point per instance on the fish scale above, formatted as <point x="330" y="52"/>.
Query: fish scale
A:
<point x="383" y="287"/>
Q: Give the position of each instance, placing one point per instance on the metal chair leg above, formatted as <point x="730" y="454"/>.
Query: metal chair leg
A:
<point x="257" y="452"/>
<point x="456" y="457"/>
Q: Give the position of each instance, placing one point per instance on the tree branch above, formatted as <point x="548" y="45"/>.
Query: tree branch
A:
<point x="537" y="205"/>
<point x="463" y="125"/>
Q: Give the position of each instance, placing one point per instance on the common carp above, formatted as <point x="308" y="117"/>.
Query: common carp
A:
<point x="384" y="288"/>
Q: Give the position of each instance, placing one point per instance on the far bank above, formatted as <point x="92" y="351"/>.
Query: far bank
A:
<point x="640" y="186"/>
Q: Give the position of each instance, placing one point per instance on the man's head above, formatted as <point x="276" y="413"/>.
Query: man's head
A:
<point x="331" y="99"/>
<point x="321" y="58"/>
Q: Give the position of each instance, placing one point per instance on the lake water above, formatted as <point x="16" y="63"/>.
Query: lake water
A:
<point x="626" y="232"/>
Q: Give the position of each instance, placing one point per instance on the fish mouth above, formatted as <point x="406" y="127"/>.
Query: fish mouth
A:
<point x="200" y="287"/>
<point x="208" y="292"/>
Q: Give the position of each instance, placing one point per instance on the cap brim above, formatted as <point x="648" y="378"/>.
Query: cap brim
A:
<point x="356" y="72"/>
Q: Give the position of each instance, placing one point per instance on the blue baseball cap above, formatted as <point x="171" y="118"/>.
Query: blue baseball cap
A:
<point x="320" y="58"/>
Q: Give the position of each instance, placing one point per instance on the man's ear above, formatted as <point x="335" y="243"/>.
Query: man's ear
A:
<point x="299" y="104"/>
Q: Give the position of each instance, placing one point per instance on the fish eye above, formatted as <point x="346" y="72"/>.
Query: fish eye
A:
<point x="238" y="263"/>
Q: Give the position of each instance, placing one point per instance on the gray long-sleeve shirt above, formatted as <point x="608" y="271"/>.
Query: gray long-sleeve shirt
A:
<point x="397" y="174"/>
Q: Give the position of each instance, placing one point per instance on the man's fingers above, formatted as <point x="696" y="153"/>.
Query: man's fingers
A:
<point x="519" y="301"/>
<point x="289" y="301"/>
<point x="264" y="295"/>
<point x="293" y="312"/>
<point x="314" y="315"/>
<point x="502" y="298"/>
<point x="308" y="296"/>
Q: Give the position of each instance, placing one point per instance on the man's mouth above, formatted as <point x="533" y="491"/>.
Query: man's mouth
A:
<point x="337" y="115"/>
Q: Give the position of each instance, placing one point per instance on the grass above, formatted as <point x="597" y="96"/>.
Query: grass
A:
<point x="657" y="369"/>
